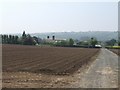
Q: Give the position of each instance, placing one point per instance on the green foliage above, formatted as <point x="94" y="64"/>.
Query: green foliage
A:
<point x="35" y="39"/>
<point x="11" y="39"/>
<point x="93" y="42"/>
<point x="25" y="39"/>
<point x="118" y="43"/>
<point x="65" y="43"/>
<point x="89" y="43"/>
<point x="83" y="43"/>
<point x="16" y="40"/>
<point x="111" y="42"/>
<point x="62" y="43"/>
<point x="71" y="42"/>
<point x="23" y="35"/>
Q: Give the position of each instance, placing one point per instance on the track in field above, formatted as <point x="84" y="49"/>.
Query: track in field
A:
<point x="49" y="60"/>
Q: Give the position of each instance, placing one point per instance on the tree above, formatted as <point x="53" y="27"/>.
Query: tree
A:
<point x="10" y="39"/>
<point x="111" y="42"/>
<point x="71" y="42"/>
<point x="85" y="43"/>
<point x="93" y="41"/>
<point x="16" y="39"/>
<point x="4" y="38"/>
<point x="13" y="39"/>
<point x="36" y="39"/>
<point x="7" y="39"/>
<point x="0" y="38"/>
<point x="63" y="43"/>
<point x="118" y="43"/>
<point x="29" y="40"/>
<point x="23" y="35"/>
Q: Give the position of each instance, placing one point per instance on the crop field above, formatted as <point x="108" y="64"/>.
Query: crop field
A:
<point x="48" y="60"/>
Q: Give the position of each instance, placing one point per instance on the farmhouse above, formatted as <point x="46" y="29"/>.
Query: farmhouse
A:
<point x="53" y="39"/>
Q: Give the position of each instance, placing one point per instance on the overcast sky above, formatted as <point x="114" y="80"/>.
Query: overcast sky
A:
<point x="37" y="17"/>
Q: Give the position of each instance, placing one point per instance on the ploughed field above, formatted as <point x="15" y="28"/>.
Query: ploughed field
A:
<point x="48" y="60"/>
<point x="117" y="51"/>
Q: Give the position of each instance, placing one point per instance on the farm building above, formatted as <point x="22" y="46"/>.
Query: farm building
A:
<point x="53" y="39"/>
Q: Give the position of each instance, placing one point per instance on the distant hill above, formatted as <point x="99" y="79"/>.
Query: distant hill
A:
<point x="100" y="35"/>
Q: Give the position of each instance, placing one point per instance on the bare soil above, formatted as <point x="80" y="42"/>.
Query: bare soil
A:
<point x="116" y="51"/>
<point x="39" y="67"/>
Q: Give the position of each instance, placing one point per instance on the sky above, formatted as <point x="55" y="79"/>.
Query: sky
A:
<point x="35" y="16"/>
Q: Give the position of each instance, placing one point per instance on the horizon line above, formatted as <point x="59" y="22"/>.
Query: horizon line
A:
<point x="58" y="32"/>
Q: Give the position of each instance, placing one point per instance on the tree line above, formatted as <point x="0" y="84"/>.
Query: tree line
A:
<point x="25" y="39"/>
<point x="112" y="42"/>
<point x="9" y="39"/>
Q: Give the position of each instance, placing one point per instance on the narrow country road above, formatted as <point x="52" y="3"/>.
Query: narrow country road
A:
<point x="103" y="73"/>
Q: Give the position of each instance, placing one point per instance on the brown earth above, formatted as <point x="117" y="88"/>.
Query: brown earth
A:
<point x="44" y="67"/>
<point x="49" y="60"/>
<point x="115" y="51"/>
